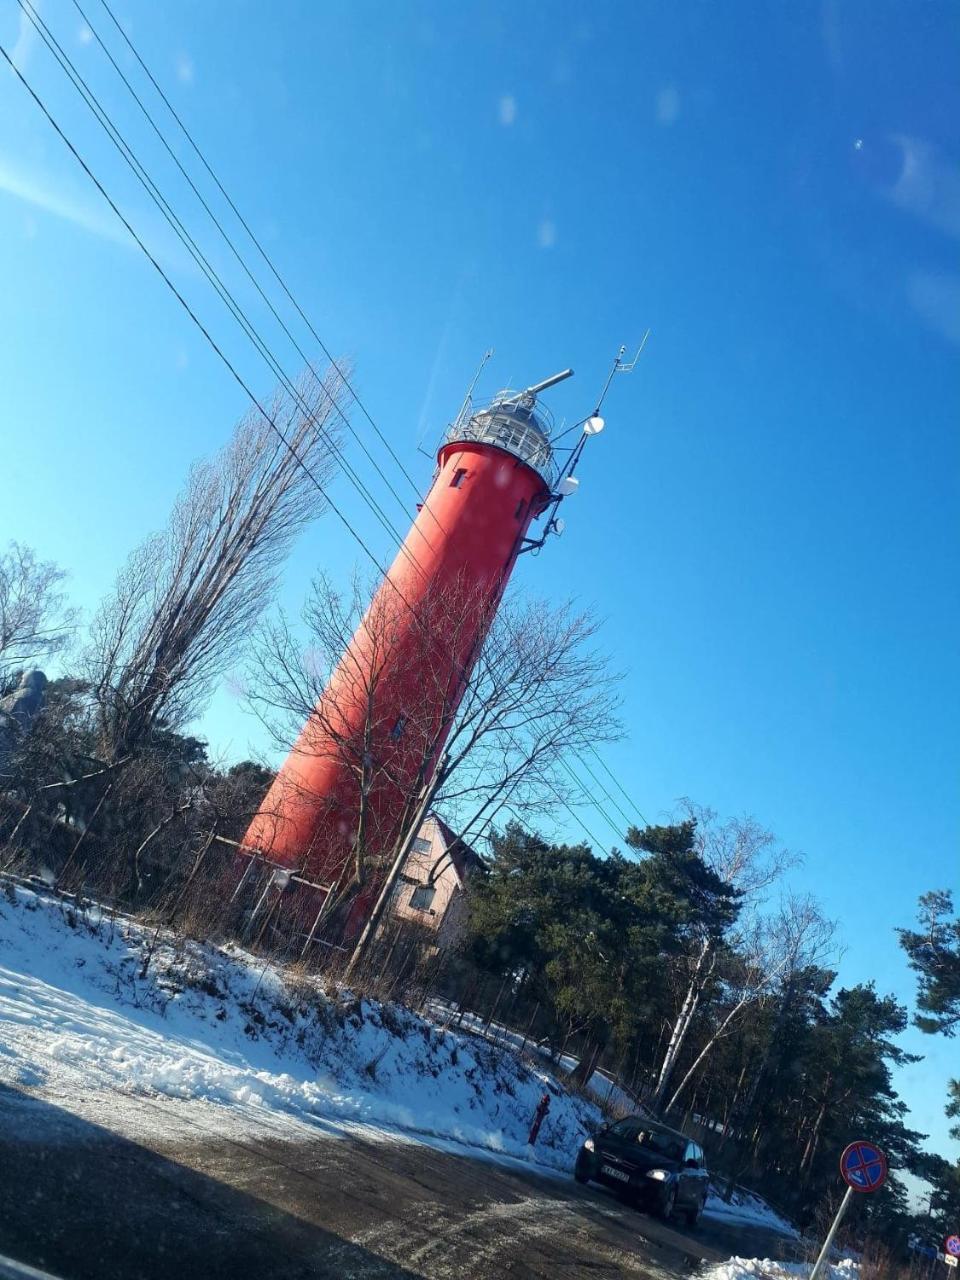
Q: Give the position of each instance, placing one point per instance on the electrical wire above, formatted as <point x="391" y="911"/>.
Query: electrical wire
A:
<point x="238" y="378"/>
<point x="209" y="338"/>
<point x="214" y="279"/>
<point x="316" y="336"/>
<point x="259" y="247"/>
<point x="190" y="244"/>
<point x="239" y="257"/>
<point x="593" y="751"/>
<point x="591" y="800"/>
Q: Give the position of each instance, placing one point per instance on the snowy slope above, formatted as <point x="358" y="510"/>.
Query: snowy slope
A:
<point x="606" y="1091"/>
<point x="748" y="1209"/>
<point x="239" y="1046"/>
<point x="78" y="1017"/>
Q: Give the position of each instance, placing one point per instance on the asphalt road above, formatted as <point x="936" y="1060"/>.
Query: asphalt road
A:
<point x="86" y="1204"/>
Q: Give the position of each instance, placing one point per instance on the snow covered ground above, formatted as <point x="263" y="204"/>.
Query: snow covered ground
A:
<point x="118" y="1026"/>
<point x="606" y="1091"/>
<point x="744" y="1207"/>
<point x="766" y="1269"/>
<point x="747" y="1208"/>
<point x="80" y="1020"/>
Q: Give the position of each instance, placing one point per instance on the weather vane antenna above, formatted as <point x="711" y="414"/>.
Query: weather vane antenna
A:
<point x="620" y="366"/>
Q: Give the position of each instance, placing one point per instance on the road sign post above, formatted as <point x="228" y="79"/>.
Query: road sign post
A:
<point x="863" y="1168"/>
<point x="821" y="1261"/>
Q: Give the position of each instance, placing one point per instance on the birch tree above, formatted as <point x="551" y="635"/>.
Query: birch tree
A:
<point x="762" y="964"/>
<point x="745" y="857"/>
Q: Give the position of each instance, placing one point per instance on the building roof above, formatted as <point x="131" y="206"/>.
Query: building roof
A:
<point x="462" y="857"/>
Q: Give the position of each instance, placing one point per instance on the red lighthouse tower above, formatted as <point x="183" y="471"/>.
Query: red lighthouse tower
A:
<point x="377" y="733"/>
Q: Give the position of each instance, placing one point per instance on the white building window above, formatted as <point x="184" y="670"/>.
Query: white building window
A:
<point x="422" y="897"/>
<point x="420" y="845"/>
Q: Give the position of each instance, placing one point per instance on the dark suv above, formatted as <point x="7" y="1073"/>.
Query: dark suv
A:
<point x="655" y="1167"/>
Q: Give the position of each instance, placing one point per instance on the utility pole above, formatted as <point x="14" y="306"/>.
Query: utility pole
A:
<point x="406" y="844"/>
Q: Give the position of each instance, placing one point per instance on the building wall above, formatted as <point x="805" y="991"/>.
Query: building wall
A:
<point x="417" y="870"/>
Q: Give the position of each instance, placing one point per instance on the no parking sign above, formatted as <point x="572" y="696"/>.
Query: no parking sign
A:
<point x="863" y="1166"/>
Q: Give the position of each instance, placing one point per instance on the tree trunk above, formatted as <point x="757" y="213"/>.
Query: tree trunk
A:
<point x="587" y="1065"/>
<point x="496" y="1003"/>
<point x="682" y="1024"/>
<point x="704" y="1051"/>
<point x="810" y="1149"/>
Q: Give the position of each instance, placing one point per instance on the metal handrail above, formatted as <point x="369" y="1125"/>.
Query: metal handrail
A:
<point x="514" y="422"/>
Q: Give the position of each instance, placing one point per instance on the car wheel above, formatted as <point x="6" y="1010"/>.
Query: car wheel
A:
<point x="693" y="1215"/>
<point x="668" y="1204"/>
<point x="581" y="1170"/>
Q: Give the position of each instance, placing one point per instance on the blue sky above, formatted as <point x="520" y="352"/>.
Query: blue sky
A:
<point x="769" y="524"/>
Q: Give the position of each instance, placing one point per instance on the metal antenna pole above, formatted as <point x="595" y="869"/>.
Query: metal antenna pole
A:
<point x="465" y="405"/>
<point x="620" y="366"/>
<point x="606" y="386"/>
<point x="476" y="378"/>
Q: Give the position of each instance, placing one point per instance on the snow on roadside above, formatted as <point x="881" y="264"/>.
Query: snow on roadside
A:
<point x="767" y="1269"/>
<point x="78" y="1017"/>
<point x="747" y="1209"/>
<point x="602" y="1088"/>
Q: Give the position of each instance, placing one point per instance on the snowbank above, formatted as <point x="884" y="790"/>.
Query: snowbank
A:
<point x="766" y="1269"/>
<point x="747" y="1208"/>
<point x="605" y="1090"/>
<point x="78" y="1015"/>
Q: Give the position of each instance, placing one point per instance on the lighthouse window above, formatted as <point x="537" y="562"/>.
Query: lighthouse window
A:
<point x="521" y="508"/>
<point x="399" y="725"/>
<point x="458" y="477"/>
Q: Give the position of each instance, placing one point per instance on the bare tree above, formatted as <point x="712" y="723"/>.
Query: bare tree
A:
<point x="189" y="596"/>
<point x="35" y="620"/>
<point x="539" y="693"/>
<point x="535" y="690"/>
<point x="746" y="857"/>
<point x="766" y="959"/>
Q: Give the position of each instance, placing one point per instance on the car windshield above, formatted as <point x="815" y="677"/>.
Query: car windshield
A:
<point x="664" y="1144"/>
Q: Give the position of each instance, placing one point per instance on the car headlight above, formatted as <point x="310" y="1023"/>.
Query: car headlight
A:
<point x="660" y="1175"/>
<point x="588" y="1145"/>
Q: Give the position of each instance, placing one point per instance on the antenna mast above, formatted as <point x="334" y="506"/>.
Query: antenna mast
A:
<point x="473" y="385"/>
<point x="591" y="426"/>
<point x="620" y="366"/>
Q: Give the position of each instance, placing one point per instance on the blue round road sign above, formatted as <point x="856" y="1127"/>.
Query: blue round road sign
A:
<point x="864" y="1166"/>
<point x="952" y="1245"/>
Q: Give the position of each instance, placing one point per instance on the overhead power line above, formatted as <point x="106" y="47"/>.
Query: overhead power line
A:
<point x="234" y="372"/>
<point x="188" y="241"/>
<point x="209" y="272"/>
<point x="238" y="378"/>
<point x="627" y="819"/>
<point x="591" y="800"/>
<point x="236" y="252"/>
<point x="254" y="239"/>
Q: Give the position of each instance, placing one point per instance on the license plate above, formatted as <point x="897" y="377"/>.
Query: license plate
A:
<point x="615" y="1173"/>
